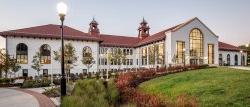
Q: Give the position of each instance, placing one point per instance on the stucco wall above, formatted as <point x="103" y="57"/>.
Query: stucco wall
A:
<point x="34" y="45"/>
<point x="183" y="35"/>
<point x="2" y="42"/>
<point x="232" y="57"/>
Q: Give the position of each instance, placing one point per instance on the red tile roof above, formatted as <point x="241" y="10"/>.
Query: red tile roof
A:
<point x="155" y="37"/>
<point x="119" y="41"/>
<point x="227" y="47"/>
<point x="161" y="35"/>
<point x="53" y="31"/>
<point x="50" y="31"/>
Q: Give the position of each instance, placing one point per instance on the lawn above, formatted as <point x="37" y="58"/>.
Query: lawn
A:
<point x="213" y="87"/>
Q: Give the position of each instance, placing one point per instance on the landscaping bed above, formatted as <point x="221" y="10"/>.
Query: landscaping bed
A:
<point x="128" y="82"/>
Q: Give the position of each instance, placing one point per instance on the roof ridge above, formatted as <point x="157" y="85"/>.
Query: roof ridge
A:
<point x="228" y="44"/>
<point x="29" y="27"/>
<point x="117" y="35"/>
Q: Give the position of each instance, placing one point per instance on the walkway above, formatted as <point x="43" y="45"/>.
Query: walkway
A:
<point x="240" y="67"/>
<point x="16" y="97"/>
<point x="13" y="98"/>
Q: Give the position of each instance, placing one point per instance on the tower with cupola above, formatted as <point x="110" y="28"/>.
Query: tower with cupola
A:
<point x="143" y="29"/>
<point x="93" y="28"/>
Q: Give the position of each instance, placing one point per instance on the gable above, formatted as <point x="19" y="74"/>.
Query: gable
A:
<point x="195" y="23"/>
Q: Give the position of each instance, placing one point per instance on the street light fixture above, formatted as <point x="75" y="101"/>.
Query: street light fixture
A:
<point x="62" y="10"/>
<point x="247" y="45"/>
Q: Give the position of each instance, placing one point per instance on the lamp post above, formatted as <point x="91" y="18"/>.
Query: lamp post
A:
<point x="242" y="61"/>
<point x="184" y="56"/>
<point x="247" y="45"/>
<point x="62" y="10"/>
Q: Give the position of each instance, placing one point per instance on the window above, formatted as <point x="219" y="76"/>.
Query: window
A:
<point x="236" y="60"/>
<point x="196" y="46"/>
<point x="45" y="54"/>
<point x="22" y="53"/>
<point x="131" y="51"/>
<point x="180" y="55"/>
<point x="228" y="60"/>
<point x="45" y="72"/>
<point x="151" y="51"/>
<point x="210" y="54"/>
<point x="105" y="61"/>
<point x="84" y="71"/>
<point x="144" y="56"/>
<point x="243" y="60"/>
<point x="131" y="62"/>
<point x="220" y="60"/>
<point x="160" y="53"/>
<point x="25" y="72"/>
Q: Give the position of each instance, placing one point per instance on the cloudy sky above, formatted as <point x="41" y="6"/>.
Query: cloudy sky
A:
<point x="229" y="19"/>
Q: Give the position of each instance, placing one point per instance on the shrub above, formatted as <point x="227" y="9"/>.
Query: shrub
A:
<point x="52" y="92"/>
<point x="35" y="83"/>
<point x="91" y="93"/>
<point x="6" y="80"/>
<point x="127" y="83"/>
<point x="112" y="92"/>
<point x="57" y="81"/>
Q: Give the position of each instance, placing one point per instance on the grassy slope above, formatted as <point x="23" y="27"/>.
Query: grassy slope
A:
<point x="213" y="87"/>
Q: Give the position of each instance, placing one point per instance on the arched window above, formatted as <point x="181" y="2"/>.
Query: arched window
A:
<point x="228" y="60"/>
<point x="196" y="46"/>
<point x="45" y="52"/>
<point x="243" y="60"/>
<point x="220" y="60"/>
<point x="22" y="53"/>
<point x="236" y="60"/>
<point x="86" y="52"/>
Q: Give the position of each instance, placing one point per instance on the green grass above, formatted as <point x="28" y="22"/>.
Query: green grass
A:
<point x="214" y="87"/>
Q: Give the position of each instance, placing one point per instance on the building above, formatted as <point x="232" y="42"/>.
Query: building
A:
<point x="191" y="42"/>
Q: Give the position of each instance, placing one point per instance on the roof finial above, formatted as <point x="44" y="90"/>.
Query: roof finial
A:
<point x="143" y="20"/>
<point x="93" y="21"/>
<point x="93" y="18"/>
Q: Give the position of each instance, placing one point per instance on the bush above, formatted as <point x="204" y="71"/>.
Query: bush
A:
<point x="91" y="93"/>
<point x="127" y="83"/>
<point x="35" y="83"/>
<point x="52" y="92"/>
<point x="57" y="81"/>
<point x="6" y="80"/>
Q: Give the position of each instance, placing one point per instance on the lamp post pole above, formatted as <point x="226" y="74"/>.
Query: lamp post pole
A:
<point x="62" y="10"/>
<point x="63" y="78"/>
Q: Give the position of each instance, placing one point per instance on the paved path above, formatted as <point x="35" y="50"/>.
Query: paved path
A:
<point x="13" y="98"/>
<point x="43" y="100"/>
<point x="240" y="67"/>
<point x="16" y="97"/>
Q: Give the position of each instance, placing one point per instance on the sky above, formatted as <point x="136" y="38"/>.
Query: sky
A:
<point x="229" y="19"/>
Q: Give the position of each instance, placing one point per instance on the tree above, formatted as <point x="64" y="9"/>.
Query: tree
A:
<point x="1" y="62"/>
<point x="15" y="67"/>
<point x="8" y="63"/>
<point x="37" y="62"/>
<point x="88" y="60"/>
<point x="117" y="56"/>
<point x="70" y="57"/>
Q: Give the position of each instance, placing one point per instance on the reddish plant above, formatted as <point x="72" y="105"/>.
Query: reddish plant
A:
<point x="127" y="82"/>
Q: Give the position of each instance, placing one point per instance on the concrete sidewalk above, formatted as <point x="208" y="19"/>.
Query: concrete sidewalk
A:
<point x="240" y="67"/>
<point x="14" y="98"/>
